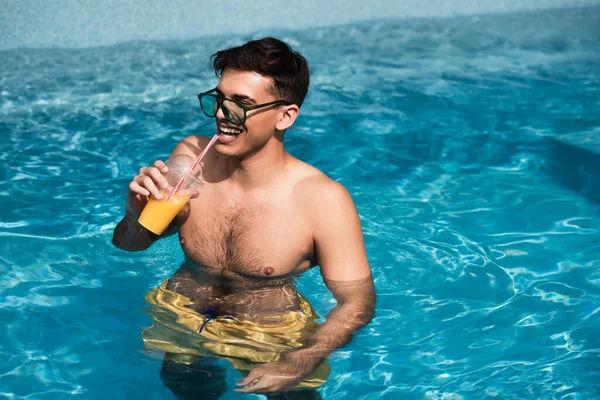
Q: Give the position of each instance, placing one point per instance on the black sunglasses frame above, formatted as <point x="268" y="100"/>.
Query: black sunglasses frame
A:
<point x="220" y="99"/>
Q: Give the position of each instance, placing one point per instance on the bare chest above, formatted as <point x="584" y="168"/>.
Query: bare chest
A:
<point x="247" y="239"/>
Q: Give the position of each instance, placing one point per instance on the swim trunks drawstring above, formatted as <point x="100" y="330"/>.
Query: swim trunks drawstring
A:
<point x="209" y="314"/>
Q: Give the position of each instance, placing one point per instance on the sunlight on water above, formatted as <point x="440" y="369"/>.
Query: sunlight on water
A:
<point x="469" y="145"/>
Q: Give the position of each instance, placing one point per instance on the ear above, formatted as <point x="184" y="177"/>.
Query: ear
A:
<point x="288" y="115"/>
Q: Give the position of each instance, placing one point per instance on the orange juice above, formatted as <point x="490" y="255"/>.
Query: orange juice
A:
<point x="158" y="214"/>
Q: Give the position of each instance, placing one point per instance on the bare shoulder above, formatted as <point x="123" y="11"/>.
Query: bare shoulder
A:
<point x="319" y="193"/>
<point x="336" y="228"/>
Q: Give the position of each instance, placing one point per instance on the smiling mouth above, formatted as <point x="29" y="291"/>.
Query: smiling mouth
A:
<point x="228" y="131"/>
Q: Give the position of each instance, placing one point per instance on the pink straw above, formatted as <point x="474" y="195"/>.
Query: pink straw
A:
<point x="191" y="168"/>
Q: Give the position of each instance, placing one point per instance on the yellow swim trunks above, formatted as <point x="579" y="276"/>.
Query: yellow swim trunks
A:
<point x="187" y="335"/>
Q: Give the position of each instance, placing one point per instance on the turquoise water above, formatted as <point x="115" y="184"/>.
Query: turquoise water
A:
<point x="471" y="147"/>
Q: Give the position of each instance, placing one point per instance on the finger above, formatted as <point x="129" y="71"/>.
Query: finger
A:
<point x="195" y="193"/>
<point x="147" y="183"/>
<point x="142" y="170"/>
<point x="157" y="177"/>
<point x="266" y="384"/>
<point x="136" y="188"/>
<point x="162" y="167"/>
<point x="253" y="375"/>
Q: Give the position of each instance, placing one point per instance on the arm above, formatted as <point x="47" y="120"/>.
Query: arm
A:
<point x="341" y="254"/>
<point x="129" y="234"/>
<point x="355" y="308"/>
<point x="345" y="269"/>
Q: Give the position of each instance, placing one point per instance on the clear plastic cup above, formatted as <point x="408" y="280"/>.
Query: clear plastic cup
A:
<point x="158" y="214"/>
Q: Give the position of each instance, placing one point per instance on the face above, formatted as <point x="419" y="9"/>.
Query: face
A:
<point x="250" y="89"/>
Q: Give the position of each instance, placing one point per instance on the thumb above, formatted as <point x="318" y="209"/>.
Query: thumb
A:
<point x="249" y="378"/>
<point x="195" y="194"/>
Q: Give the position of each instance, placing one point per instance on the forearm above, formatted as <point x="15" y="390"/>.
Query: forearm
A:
<point x="130" y="235"/>
<point x="353" y="311"/>
<point x="337" y="331"/>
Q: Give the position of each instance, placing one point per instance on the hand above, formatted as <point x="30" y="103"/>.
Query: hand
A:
<point x="146" y="183"/>
<point x="274" y="377"/>
<point x="149" y="181"/>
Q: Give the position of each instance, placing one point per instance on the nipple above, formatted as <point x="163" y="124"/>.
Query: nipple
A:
<point x="182" y="241"/>
<point x="268" y="271"/>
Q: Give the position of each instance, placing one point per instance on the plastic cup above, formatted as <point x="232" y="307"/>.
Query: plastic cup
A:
<point x="158" y="214"/>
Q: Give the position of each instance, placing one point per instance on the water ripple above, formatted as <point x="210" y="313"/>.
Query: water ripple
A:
<point x="469" y="146"/>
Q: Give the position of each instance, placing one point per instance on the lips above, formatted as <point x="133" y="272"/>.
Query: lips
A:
<point x="228" y="135"/>
<point x="229" y="130"/>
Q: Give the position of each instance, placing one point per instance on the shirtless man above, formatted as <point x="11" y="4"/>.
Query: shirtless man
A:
<point x="261" y="218"/>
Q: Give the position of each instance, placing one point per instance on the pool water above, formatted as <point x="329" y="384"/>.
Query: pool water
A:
<point x="471" y="147"/>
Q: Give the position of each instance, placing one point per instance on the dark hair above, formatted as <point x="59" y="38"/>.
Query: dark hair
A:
<point x="269" y="57"/>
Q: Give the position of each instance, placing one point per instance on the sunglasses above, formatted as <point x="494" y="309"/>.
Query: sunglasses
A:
<point x="234" y="111"/>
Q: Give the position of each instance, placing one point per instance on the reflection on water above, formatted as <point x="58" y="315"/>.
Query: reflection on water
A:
<point x="481" y="231"/>
<point x="197" y="321"/>
<point x="263" y="301"/>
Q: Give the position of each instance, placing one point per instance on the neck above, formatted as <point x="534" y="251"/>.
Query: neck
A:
<point x="259" y="168"/>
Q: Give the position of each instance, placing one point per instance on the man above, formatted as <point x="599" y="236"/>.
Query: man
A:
<point x="261" y="219"/>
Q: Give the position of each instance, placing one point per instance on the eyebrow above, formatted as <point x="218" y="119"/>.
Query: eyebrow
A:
<point x="237" y="97"/>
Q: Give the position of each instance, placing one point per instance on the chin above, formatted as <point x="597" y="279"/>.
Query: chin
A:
<point x="229" y="150"/>
<point x="224" y="149"/>
<point x="241" y="148"/>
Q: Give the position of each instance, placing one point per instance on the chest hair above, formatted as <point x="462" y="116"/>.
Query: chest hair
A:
<point x="224" y="241"/>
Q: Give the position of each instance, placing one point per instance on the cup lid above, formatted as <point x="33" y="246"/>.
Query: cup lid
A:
<point x="180" y="164"/>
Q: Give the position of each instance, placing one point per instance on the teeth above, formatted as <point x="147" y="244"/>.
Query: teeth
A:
<point x="230" y="131"/>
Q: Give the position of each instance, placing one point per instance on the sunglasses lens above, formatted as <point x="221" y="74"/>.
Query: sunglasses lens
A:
<point x="233" y="112"/>
<point x="208" y="104"/>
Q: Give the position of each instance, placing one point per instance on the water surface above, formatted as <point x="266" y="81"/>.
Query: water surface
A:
<point x="470" y="146"/>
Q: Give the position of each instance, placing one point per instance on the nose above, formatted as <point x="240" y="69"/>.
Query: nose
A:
<point x="220" y="115"/>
